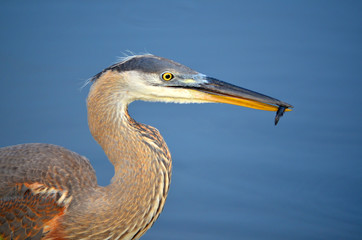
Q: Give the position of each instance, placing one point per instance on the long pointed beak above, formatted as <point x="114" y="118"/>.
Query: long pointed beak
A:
<point x="222" y="92"/>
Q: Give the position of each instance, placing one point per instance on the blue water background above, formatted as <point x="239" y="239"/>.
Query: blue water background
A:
<point x="235" y="175"/>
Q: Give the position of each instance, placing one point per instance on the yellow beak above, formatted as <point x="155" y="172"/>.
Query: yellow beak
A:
<point x="222" y="92"/>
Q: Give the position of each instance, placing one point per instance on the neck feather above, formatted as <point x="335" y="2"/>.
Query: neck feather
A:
<point x="141" y="160"/>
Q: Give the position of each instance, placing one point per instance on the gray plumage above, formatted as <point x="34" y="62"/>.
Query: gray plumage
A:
<point x="49" y="192"/>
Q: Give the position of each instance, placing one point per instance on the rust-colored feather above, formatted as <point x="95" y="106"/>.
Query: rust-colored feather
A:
<point x="30" y="212"/>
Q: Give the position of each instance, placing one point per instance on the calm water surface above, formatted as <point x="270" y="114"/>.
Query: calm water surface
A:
<point x="235" y="175"/>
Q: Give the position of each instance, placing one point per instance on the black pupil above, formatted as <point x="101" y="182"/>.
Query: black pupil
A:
<point x="167" y="76"/>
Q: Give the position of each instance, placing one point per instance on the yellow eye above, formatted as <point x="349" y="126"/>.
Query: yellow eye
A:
<point x="167" y="76"/>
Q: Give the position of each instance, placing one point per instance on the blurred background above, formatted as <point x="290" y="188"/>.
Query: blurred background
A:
<point x="235" y="175"/>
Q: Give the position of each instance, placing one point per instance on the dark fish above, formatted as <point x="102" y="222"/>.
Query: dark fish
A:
<point x="279" y="114"/>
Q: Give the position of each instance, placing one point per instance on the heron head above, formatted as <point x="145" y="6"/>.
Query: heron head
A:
<point x="152" y="78"/>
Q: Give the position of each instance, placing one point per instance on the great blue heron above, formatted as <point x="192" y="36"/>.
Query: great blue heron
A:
<point x="48" y="192"/>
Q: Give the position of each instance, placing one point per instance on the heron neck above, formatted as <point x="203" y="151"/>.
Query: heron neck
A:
<point x="129" y="145"/>
<point x="139" y="155"/>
